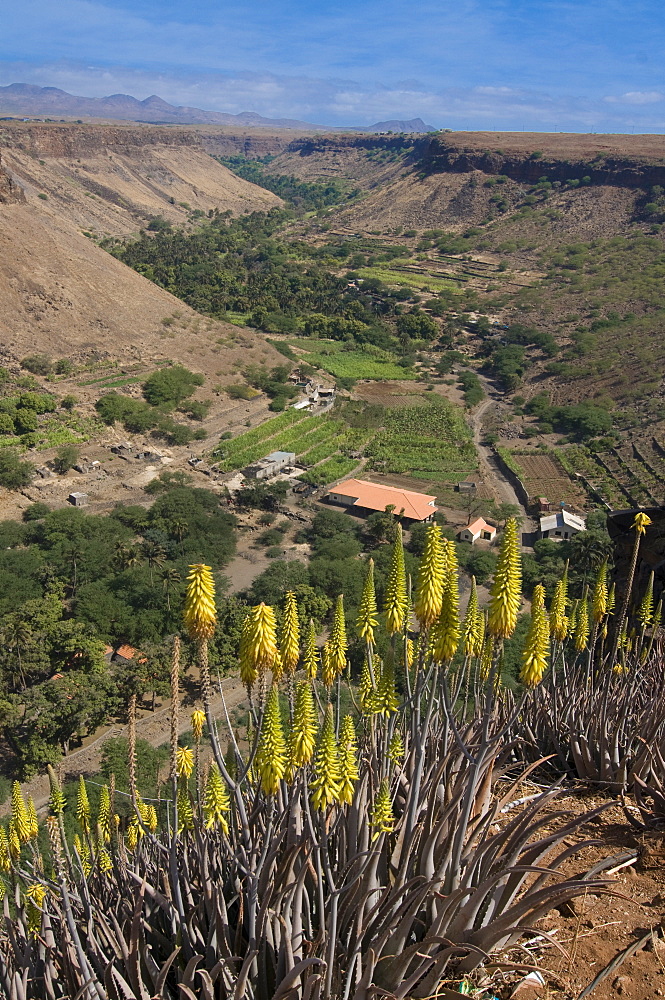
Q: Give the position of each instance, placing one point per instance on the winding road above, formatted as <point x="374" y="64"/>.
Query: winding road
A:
<point x="490" y="469"/>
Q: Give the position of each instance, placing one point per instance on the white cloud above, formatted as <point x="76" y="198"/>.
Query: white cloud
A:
<point x="637" y="97"/>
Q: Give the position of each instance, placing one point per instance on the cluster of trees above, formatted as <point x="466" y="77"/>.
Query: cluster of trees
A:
<point x="73" y="582"/>
<point x="581" y="420"/>
<point x="163" y="392"/>
<point x="304" y="196"/>
<point x="244" y="266"/>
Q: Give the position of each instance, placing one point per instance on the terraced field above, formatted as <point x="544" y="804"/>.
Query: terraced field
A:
<point x="632" y="475"/>
<point x="544" y="476"/>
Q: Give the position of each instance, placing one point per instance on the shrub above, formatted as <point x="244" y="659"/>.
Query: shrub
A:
<point x="38" y="364"/>
<point x="13" y="472"/>
<point x="66" y="457"/>
<point x="170" y="385"/>
<point x="36" y="511"/>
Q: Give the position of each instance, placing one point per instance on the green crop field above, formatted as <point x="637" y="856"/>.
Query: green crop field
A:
<point x="431" y="442"/>
<point x="358" y="364"/>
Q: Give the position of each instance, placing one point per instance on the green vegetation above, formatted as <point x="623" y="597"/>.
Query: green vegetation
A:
<point x="432" y="442"/>
<point x="304" y="196"/>
<point x="164" y="390"/>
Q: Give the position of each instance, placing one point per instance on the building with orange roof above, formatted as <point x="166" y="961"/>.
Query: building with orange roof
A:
<point x="477" y="529"/>
<point x="367" y="498"/>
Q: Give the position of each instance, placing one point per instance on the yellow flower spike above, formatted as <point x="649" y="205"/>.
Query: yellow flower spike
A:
<point x="348" y="761"/>
<point x="14" y="842"/>
<point x="56" y="799"/>
<point x="409" y="652"/>
<point x="559" y="623"/>
<point x="150" y="818"/>
<point x="383" y="820"/>
<point x="104" y="817"/>
<point x="429" y="592"/>
<point x="367" y="621"/>
<point x="337" y="643"/>
<point x="311" y="655"/>
<point x="104" y="860"/>
<point x="32" y="818"/>
<point x="611" y="599"/>
<point x="366" y="688"/>
<point x="35" y="895"/>
<point x="641" y="523"/>
<point x="472" y="626"/>
<point x="133" y="833"/>
<point x="258" y="644"/>
<point x="505" y="592"/>
<point x="185" y="816"/>
<point x="645" y="612"/>
<point x="385" y="700"/>
<point x="198" y="722"/>
<point x="216" y="801"/>
<point x="396" y="603"/>
<point x="325" y="783"/>
<point x="82" y="806"/>
<point x="200" y="612"/>
<point x="303" y="734"/>
<point x="184" y="761"/>
<point x="396" y="749"/>
<point x="446" y="632"/>
<point x="581" y="635"/>
<point x="271" y="754"/>
<point x="290" y="634"/>
<point x="19" y="815"/>
<point x="5" y="859"/>
<point x="537" y="644"/>
<point x="600" y="595"/>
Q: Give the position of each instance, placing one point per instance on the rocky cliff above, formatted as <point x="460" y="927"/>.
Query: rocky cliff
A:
<point x="10" y="191"/>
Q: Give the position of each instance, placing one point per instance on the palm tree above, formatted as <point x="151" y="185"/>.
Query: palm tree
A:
<point x="179" y="529"/>
<point x="154" y="555"/>
<point x="170" y="578"/>
<point x="126" y="556"/>
<point x="16" y="635"/>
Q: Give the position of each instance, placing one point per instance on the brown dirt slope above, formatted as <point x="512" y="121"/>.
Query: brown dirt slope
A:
<point x="111" y="180"/>
<point x="64" y="295"/>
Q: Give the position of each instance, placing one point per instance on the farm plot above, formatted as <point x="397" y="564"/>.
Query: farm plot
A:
<point x="328" y="472"/>
<point x="359" y="364"/>
<point x="432" y="443"/>
<point x="544" y="476"/>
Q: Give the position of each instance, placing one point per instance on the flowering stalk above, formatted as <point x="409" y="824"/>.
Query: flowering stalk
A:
<point x="367" y="621"/>
<point x="396" y="602"/>
<point x="325" y="783"/>
<point x="429" y="592"/>
<point x="271" y="754"/>
<point x="289" y="644"/>
<point x="505" y="593"/>
<point x="537" y="644"/>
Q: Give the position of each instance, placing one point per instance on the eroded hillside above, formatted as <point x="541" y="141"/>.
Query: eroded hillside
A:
<point x="63" y="294"/>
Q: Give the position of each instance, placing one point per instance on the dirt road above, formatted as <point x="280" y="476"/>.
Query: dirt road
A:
<point x="490" y="468"/>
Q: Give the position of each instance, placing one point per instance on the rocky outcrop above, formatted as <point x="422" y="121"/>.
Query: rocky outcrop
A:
<point x="10" y="191"/>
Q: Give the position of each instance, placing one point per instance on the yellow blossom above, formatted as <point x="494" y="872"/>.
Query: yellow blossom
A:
<point x="200" y="612"/>
<point x="505" y="593"/>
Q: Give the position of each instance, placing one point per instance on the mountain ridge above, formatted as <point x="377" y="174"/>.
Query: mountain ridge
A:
<point x="30" y="99"/>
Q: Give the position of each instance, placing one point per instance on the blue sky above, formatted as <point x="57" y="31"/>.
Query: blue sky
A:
<point x="582" y="65"/>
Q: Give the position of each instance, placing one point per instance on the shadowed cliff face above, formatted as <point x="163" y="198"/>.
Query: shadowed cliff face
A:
<point x="442" y="156"/>
<point x="10" y="191"/>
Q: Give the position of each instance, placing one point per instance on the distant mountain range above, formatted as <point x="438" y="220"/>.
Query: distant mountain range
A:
<point x="27" y="100"/>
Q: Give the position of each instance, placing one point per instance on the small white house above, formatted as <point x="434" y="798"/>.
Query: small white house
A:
<point x="78" y="499"/>
<point x="270" y="466"/>
<point x="561" y="525"/>
<point x="477" y="529"/>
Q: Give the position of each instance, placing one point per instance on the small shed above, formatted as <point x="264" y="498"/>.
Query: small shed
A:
<point x="477" y="529"/>
<point x="78" y="499"/>
<point x="467" y="487"/>
<point x="544" y="506"/>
